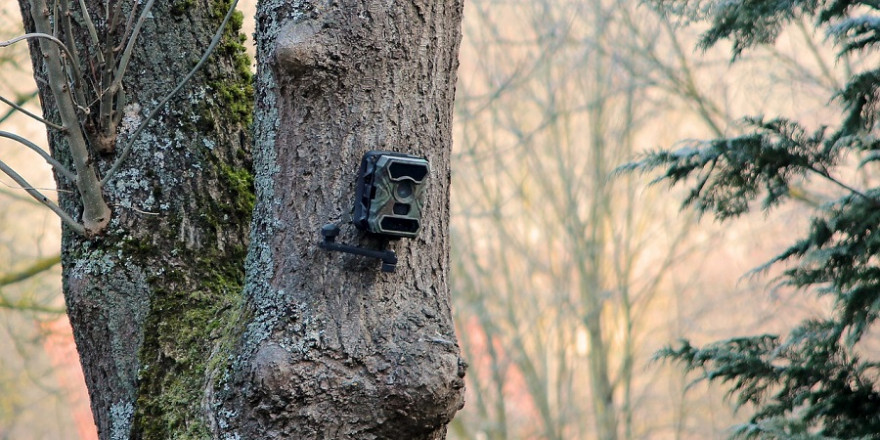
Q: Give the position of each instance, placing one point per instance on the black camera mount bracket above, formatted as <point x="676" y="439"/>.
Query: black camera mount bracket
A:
<point x="330" y="231"/>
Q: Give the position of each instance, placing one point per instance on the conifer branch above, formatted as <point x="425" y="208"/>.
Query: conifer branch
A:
<point x="827" y="176"/>
<point x="812" y="383"/>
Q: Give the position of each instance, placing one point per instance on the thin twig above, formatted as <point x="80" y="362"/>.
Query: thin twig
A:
<point x="45" y="188"/>
<point x="139" y="211"/>
<point x="73" y="59"/>
<point x="106" y="109"/>
<point x="128" y="24"/>
<point x="824" y="173"/>
<point x="32" y="115"/>
<point x="33" y="35"/>
<point x="56" y="23"/>
<point x="93" y="32"/>
<point x="129" y="48"/>
<point x="128" y="146"/>
<point x="48" y="157"/>
<point x="66" y="218"/>
<point x="45" y="36"/>
<point x="112" y="97"/>
<point x="18" y="197"/>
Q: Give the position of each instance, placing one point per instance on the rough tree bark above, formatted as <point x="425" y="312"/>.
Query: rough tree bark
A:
<point x="149" y="298"/>
<point x="345" y="350"/>
<point x="316" y="345"/>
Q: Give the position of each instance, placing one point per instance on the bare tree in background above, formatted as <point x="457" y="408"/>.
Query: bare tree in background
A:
<point x="557" y="260"/>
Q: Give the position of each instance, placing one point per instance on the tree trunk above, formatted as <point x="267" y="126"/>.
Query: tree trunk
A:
<point x="316" y="345"/>
<point x="149" y="300"/>
<point x="340" y="348"/>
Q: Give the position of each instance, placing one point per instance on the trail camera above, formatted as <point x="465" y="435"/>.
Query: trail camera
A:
<point x="388" y="202"/>
<point x="389" y="193"/>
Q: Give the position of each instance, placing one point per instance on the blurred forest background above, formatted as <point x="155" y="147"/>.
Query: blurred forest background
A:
<point x="566" y="276"/>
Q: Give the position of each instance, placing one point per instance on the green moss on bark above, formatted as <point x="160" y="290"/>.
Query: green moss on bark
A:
<point x="195" y="318"/>
<point x="187" y="338"/>
<point x="180" y="7"/>
<point x="240" y="183"/>
<point x="234" y="93"/>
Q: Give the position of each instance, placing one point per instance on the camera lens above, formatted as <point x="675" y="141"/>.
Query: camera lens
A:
<point x="404" y="190"/>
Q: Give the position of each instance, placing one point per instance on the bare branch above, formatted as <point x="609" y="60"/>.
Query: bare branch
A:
<point x="96" y="213"/>
<point x="128" y="23"/>
<point x="25" y="111"/>
<point x="129" y="48"/>
<point x="21" y="100"/>
<point x="128" y="146"/>
<point x="34" y="35"/>
<point x="66" y="218"/>
<point x="28" y="306"/>
<point x="51" y="160"/>
<point x="35" y="268"/>
<point x="73" y="59"/>
<point x="93" y="32"/>
<point x="107" y="134"/>
<point x="44" y="36"/>
<point x="112" y="97"/>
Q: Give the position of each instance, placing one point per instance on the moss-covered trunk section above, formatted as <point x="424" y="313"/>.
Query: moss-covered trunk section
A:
<point x="154" y="302"/>
<point x="335" y="348"/>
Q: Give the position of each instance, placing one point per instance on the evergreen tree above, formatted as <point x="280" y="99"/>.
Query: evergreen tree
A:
<point x="814" y="382"/>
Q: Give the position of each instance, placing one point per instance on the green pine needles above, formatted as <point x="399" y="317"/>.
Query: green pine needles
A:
<point x="812" y="383"/>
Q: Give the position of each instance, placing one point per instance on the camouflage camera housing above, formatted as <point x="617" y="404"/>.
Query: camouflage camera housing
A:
<point x="389" y="194"/>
